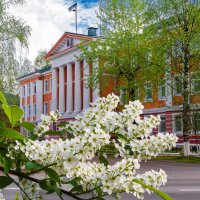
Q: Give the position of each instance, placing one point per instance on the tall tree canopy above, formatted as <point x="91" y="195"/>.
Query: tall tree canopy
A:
<point x="40" y="61"/>
<point x="145" y="40"/>
<point x="13" y="32"/>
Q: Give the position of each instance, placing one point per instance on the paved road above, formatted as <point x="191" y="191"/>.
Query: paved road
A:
<point x="183" y="182"/>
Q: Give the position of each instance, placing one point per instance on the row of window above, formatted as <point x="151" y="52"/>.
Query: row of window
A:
<point x="45" y="109"/>
<point x="178" y="124"/>
<point x="148" y="89"/>
<point x="47" y="87"/>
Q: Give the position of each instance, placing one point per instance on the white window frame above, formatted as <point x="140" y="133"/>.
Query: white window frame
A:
<point x="24" y="91"/>
<point x="34" y="88"/>
<point x="29" y="89"/>
<point x="51" y="106"/>
<point x="29" y="110"/>
<point x="174" y="124"/>
<point x="175" y="92"/>
<point x="160" y="86"/>
<point x="24" y="109"/>
<point x="34" y="110"/>
<point x="122" y="92"/>
<point x="198" y="131"/>
<point x="147" y="99"/>
<point x="159" y="126"/>
<point x="46" y="81"/>
<point x="45" y="105"/>
<point x="192" y="85"/>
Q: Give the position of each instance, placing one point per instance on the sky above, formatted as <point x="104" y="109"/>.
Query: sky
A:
<point x="49" y="19"/>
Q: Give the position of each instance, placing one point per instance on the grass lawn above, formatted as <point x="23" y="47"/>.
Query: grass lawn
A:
<point x="181" y="159"/>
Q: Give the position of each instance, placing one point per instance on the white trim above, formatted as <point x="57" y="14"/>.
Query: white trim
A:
<point x="145" y="97"/>
<point x="173" y="123"/>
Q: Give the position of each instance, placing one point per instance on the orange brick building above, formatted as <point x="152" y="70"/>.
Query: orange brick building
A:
<point x="62" y="88"/>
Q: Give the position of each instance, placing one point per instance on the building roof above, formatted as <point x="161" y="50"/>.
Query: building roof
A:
<point x="38" y="71"/>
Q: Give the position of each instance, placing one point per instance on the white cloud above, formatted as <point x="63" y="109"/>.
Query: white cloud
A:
<point x="49" y="19"/>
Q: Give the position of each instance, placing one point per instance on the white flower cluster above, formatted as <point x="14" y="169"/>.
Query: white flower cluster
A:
<point x="1" y="196"/>
<point x="46" y="121"/>
<point x="92" y="131"/>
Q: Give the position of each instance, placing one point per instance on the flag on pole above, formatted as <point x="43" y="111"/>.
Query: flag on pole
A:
<point x="73" y="7"/>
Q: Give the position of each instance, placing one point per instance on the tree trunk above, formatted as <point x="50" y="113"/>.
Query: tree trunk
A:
<point x="187" y="124"/>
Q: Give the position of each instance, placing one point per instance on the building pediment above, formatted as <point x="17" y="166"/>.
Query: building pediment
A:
<point x="68" y="42"/>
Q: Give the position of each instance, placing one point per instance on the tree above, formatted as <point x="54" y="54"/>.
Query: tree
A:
<point x="40" y="62"/>
<point x="178" y="26"/>
<point x="26" y="67"/>
<point x="147" y="41"/>
<point x="122" y="51"/>
<point x="70" y="161"/>
<point x="13" y="32"/>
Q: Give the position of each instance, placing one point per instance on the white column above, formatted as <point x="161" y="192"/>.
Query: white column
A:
<point x="39" y="99"/>
<point x="86" y="90"/>
<point x="77" y="97"/>
<point x="61" y="90"/>
<point x="69" y="88"/>
<point x="54" y="89"/>
<point x="96" y="90"/>
<point x="31" y="100"/>
<point x="21" y="95"/>
<point x="26" y="102"/>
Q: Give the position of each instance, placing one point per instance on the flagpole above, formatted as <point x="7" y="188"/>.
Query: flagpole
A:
<point x="76" y="19"/>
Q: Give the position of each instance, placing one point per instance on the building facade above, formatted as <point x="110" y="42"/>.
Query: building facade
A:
<point x="62" y="88"/>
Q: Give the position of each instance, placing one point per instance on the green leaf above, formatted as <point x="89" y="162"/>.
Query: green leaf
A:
<point x="28" y="126"/>
<point x="103" y="160"/>
<point x="2" y="98"/>
<point x="30" y="166"/>
<point x="51" y="132"/>
<point x="5" y="181"/>
<point x="7" y="164"/>
<point x="53" y="174"/>
<point x="12" y="134"/>
<point x="16" y="114"/>
<point x="45" y="185"/>
<point x="2" y="124"/>
<point x="122" y="137"/>
<point x="158" y="192"/>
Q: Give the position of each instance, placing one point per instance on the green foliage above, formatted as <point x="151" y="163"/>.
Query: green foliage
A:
<point x="156" y="191"/>
<point x="28" y="126"/>
<point x="40" y="60"/>
<point x="13" y="32"/>
<point x="52" y="174"/>
<point x="5" y="181"/>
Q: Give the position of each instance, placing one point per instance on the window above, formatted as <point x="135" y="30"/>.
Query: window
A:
<point x="24" y="109"/>
<point x="148" y="92"/>
<point x="24" y="90"/>
<point x="34" y="110"/>
<point x="123" y="95"/>
<point x="136" y="92"/>
<point x="196" y="122"/>
<point x="196" y="85"/>
<point x="162" y="125"/>
<point x="29" y="89"/>
<point x="177" y="123"/>
<point x="69" y="42"/>
<point x="34" y="88"/>
<point x="45" y="108"/>
<point x="46" y="85"/>
<point x="161" y="90"/>
<point x="177" y="86"/>
<point x="29" y="110"/>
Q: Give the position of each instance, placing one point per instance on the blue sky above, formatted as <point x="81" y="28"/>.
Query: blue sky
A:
<point x="49" y="19"/>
